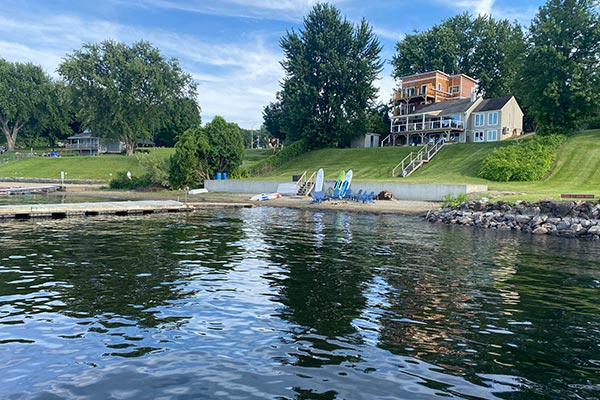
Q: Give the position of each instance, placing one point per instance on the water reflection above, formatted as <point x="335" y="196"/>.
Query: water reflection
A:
<point x="294" y="304"/>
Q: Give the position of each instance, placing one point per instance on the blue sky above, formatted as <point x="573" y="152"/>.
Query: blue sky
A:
<point x="231" y="47"/>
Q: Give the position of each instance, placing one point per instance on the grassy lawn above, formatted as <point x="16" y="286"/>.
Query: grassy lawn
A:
<point x="252" y="156"/>
<point x="76" y="167"/>
<point x="366" y="164"/>
<point x="576" y="169"/>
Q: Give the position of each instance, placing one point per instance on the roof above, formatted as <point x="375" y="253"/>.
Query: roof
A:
<point x="82" y="135"/>
<point x="492" y="104"/>
<point x="437" y="71"/>
<point x="446" y="107"/>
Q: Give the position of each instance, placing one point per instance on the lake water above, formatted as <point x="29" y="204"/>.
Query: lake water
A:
<point x="270" y="303"/>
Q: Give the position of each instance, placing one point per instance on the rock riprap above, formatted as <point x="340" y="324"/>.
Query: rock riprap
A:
<point x="570" y="219"/>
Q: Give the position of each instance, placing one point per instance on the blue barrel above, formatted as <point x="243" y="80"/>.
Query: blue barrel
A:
<point x="224" y="175"/>
<point x="218" y="177"/>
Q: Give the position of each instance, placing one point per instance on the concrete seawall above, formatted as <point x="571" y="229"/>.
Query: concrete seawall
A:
<point x="401" y="191"/>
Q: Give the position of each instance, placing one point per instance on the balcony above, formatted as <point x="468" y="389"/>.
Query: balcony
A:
<point x="416" y="94"/>
<point x="427" y="126"/>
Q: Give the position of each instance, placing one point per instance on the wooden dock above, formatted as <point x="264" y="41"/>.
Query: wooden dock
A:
<point x="118" y="208"/>
<point x="29" y="189"/>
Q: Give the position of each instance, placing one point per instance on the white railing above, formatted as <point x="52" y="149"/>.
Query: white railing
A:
<point x="427" y="125"/>
<point x="413" y="161"/>
<point x="388" y="140"/>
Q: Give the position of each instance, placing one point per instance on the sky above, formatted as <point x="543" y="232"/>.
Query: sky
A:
<point x="230" y="47"/>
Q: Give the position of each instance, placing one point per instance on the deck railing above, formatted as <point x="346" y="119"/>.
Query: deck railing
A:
<point x="427" y="125"/>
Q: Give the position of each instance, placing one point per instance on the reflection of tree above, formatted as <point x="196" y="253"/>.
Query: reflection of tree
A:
<point x="117" y="273"/>
<point x="483" y="302"/>
<point x="322" y="289"/>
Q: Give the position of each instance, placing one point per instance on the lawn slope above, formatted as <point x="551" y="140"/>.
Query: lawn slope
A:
<point x="366" y="164"/>
<point x="576" y="169"/>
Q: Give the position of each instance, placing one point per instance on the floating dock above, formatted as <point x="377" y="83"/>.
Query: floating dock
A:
<point x="119" y="208"/>
<point x="29" y="189"/>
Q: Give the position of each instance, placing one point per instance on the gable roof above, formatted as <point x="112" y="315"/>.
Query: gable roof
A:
<point x="492" y="104"/>
<point x="446" y="107"/>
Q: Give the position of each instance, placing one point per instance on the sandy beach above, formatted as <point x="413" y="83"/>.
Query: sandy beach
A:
<point x="403" y="207"/>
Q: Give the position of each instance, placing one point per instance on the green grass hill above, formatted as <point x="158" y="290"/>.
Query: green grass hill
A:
<point x="576" y="169"/>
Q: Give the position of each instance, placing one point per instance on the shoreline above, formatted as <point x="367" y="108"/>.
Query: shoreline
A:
<point x="215" y="199"/>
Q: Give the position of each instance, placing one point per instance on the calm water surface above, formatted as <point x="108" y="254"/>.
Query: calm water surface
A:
<point x="290" y="304"/>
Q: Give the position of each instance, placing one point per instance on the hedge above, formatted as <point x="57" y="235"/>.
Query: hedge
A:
<point x="527" y="160"/>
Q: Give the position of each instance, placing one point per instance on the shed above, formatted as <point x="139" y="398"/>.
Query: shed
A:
<point x="367" y="140"/>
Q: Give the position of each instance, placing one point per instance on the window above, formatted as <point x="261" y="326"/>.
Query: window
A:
<point x="478" y="136"/>
<point x="493" y="118"/>
<point x="454" y="89"/>
<point x="423" y="89"/>
<point x="410" y="91"/>
<point x="492" y="135"/>
<point x="479" y="119"/>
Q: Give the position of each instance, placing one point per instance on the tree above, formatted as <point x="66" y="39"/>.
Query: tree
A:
<point x="379" y="119"/>
<point x="273" y="119"/>
<point x="560" y="81"/>
<point x="25" y="92"/>
<point x="124" y="92"/>
<point x="330" y="67"/>
<point x="202" y="152"/>
<point x="482" y="47"/>
<point x="185" y="167"/>
<point x="225" y="150"/>
<point x="183" y="114"/>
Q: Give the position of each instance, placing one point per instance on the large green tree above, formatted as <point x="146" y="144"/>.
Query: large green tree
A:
<point x="185" y="167"/>
<point x="482" y="47"/>
<point x="201" y="152"/>
<point x="225" y="151"/>
<point x="124" y="92"/>
<point x="330" y="68"/>
<point x="182" y="115"/>
<point x="560" y="79"/>
<point x="25" y="96"/>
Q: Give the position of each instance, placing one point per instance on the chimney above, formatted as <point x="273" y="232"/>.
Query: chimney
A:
<point x="473" y="94"/>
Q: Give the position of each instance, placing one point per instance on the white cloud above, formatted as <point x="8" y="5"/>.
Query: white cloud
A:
<point x="236" y="79"/>
<point x="279" y="10"/>
<point x="478" y="7"/>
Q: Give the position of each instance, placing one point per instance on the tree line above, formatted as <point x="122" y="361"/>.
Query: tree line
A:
<point x="328" y="96"/>
<point x="122" y="92"/>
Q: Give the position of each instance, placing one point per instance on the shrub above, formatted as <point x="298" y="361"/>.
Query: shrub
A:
<point x="157" y="169"/>
<point x="453" y="201"/>
<point x="268" y="164"/>
<point x="122" y="181"/>
<point x="527" y="160"/>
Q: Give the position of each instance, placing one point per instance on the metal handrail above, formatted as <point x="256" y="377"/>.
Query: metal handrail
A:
<point x="401" y="163"/>
<point x="410" y="162"/>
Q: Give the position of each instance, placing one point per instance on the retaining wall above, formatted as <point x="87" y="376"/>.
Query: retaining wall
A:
<point x="401" y="191"/>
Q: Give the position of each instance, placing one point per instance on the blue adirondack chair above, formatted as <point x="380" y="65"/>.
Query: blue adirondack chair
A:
<point x="369" y="197"/>
<point x="318" y="197"/>
<point x="358" y="195"/>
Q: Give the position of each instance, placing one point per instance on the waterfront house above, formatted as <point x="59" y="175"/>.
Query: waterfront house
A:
<point x="434" y="105"/>
<point x="86" y="144"/>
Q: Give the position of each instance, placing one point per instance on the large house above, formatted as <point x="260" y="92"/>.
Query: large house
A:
<point x="435" y="105"/>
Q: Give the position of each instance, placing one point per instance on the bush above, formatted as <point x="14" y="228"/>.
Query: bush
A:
<point x="157" y="169"/>
<point x="121" y="181"/>
<point x="527" y="160"/>
<point x="270" y="163"/>
<point x="453" y="201"/>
